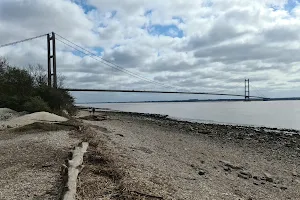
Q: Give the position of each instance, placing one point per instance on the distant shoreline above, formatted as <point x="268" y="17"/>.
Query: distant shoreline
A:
<point x="199" y="100"/>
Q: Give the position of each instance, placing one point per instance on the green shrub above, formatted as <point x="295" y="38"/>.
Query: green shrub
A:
<point x="14" y="102"/>
<point x="26" y="89"/>
<point x="36" y="104"/>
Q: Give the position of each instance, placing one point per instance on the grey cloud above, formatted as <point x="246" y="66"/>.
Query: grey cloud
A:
<point x="282" y="33"/>
<point x="220" y="32"/>
<point x="235" y="53"/>
<point x="128" y="57"/>
<point x="296" y="80"/>
<point x="254" y="79"/>
<point x="168" y="66"/>
<point x="29" y="18"/>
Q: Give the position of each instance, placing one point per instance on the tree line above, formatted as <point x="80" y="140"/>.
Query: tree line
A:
<point x="27" y="90"/>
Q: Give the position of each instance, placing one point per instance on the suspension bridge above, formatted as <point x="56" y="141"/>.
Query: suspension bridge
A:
<point x="52" y="71"/>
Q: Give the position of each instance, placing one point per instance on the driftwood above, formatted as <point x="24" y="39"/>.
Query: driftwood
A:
<point x="74" y="167"/>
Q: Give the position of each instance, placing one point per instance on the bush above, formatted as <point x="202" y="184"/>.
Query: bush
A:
<point x="36" y="104"/>
<point x="26" y="89"/>
<point x="14" y="102"/>
<point x="57" y="99"/>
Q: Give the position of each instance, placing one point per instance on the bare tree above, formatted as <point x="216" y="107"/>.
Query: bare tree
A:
<point x="60" y="80"/>
<point x="38" y="73"/>
<point x="3" y="64"/>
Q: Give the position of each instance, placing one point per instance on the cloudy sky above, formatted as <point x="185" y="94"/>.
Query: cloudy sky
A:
<point x="196" y="45"/>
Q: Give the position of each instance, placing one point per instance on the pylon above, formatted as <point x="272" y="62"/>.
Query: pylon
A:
<point x="247" y="90"/>
<point x="51" y="56"/>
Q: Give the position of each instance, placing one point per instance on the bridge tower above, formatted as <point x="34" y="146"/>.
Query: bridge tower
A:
<point x="51" y="59"/>
<point x="247" y="90"/>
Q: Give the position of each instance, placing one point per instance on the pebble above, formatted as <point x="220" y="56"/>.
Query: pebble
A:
<point x="227" y="169"/>
<point x="294" y="173"/>
<point x="232" y="166"/>
<point x="283" y="187"/>
<point x="243" y="176"/>
<point x="246" y="173"/>
<point x="268" y="177"/>
<point x="201" y="172"/>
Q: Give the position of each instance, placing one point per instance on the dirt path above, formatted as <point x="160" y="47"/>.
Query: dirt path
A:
<point x="164" y="160"/>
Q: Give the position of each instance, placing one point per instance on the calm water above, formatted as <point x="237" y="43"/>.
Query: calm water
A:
<point x="280" y="114"/>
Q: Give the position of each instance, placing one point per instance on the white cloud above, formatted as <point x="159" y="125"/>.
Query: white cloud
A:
<point x="223" y="41"/>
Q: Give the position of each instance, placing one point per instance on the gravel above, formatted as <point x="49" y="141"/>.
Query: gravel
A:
<point x="176" y="153"/>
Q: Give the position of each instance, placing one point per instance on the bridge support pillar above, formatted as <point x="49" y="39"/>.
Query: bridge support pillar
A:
<point x="247" y="90"/>
<point x="51" y="60"/>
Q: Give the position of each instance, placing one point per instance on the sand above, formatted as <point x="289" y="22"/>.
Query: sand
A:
<point x="31" y="118"/>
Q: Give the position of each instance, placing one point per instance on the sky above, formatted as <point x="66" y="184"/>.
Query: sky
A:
<point x="184" y="45"/>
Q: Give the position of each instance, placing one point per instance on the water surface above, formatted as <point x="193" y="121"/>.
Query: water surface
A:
<point x="279" y="114"/>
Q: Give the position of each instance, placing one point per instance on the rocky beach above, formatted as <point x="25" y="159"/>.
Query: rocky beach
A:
<point x="168" y="159"/>
<point x="146" y="156"/>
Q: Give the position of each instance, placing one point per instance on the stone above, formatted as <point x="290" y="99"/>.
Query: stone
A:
<point x="246" y="174"/>
<point x="226" y="169"/>
<point x="283" y="187"/>
<point x="268" y="177"/>
<point x="255" y="177"/>
<point x="243" y="176"/>
<point x="201" y="172"/>
<point x="294" y="173"/>
<point x="232" y="166"/>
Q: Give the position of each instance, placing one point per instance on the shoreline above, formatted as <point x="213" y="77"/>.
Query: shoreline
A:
<point x="213" y="161"/>
<point x="195" y="121"/>
<point x="133" y="155"/>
